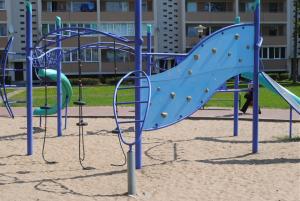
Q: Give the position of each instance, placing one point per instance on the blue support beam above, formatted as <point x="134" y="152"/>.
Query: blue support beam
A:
<point x="257" y="39"/>
<point x="138" y="67"/>
<point x="58" y="81"/>
<point x="29" y="77"/>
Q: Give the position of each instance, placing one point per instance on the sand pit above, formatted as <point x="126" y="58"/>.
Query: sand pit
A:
<point x="192" y="160"/>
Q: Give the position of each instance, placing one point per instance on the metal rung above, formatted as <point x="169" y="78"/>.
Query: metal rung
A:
<point x="11" y="85"/>
<point x="130" y="102"/>
<point x="133" y="87"/>
<point x="128" y="122"/>
<point x="79" y="103"/>
<point x="9" y="69"/>
<point x="133" y="77"/>
<point x="82" y="124"/>
<point x="46" y="107"/>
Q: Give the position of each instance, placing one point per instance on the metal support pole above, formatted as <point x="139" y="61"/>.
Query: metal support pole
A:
<point x="236" y="93"/>
<point x="138" y="67"/>
<point x="291" y="122"/>
<point x="58" y="81"/>
<point x="236" y="107"/>
<point x="149" y="47"/>
<point x="131" y="173"/>
<point x="29" y="76"/>
<point x="255" y="77"/>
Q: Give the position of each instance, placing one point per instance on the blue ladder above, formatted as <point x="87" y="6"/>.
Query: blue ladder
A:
<point x="146" y="87"/>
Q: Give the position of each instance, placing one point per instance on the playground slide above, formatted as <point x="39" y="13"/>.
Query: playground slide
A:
<point x="179" y="92"/>
<point x="272" y="85"/>
<point x="66" y="90"/>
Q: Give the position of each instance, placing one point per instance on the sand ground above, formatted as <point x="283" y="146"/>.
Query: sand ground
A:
<point x="192" y="160"/>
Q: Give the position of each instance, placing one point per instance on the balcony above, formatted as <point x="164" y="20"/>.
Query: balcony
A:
<point x="275" y="65"/>
<point x="274" y="40"/>
<point x="3" y="16"/>
<point x="70" y="16"/>
<point x="209" y="16"/>
<point x="124" y="16"/>
<point x="72" y="68"/>
<point x="265" y="17"/>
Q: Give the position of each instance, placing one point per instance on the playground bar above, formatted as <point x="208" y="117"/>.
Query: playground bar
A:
<point x="138" y="67"/>
<point x="257" y="40"/>
<point x="291" y="122"/>
<point x="29" y="76"/>
<point x="236" y="86"/>
<point x="59" y="90"/>
<point x="149" y="41"/>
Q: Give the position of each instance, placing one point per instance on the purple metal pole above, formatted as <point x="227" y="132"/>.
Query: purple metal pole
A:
<point x="236" y="107"/>
<point x="255" y="77"/>
<point x="58" y="80"/>
<point x="149" y="47"/>
<point x="29" y="77"/>
<point x="236" y="97"/>
<point x="291" y="122"/>
<point x="138" y="67"/>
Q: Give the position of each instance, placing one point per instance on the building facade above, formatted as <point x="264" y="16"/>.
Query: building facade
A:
<point x="174" y="27"/>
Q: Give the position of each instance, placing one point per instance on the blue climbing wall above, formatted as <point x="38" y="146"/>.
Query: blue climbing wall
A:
<point x="182" y="90"/>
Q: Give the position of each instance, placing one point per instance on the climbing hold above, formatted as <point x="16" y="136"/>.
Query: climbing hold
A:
<point x="196" y="57"/>
<point x="158" y="89"/>
<point x="248" y="47"/>
<point x="206" y="90"/>
<point x="190" y="72"/>
<point x="214" y="50"/>
<point x="172" y="94"/>
<point x="164" y="114"/>
<point x="201" y="102"/>
<point x="240" y="60"/>
<point x="236" y="36"/>
<point x="229" y="54"/>
<point x="189" y="98"/>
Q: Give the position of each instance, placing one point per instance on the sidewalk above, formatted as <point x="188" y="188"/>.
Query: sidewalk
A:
<point x="209" y="113"/>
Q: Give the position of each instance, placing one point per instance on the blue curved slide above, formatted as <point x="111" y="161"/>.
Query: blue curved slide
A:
<point x="182" y="90"/>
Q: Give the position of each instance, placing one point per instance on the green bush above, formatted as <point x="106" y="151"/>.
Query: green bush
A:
<point x="284" y="76"/>
<point x="85" y="81"/>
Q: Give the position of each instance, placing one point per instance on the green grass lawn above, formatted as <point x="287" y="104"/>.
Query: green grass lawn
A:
<point x="103" y="96"/>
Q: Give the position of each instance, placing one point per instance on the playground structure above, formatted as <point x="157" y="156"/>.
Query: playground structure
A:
<point x="163" y="99"/>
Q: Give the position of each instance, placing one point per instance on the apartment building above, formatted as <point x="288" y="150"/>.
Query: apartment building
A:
<point x="174" y="27"/>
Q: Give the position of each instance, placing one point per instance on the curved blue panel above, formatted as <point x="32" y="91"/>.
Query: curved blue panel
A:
<point x="182" y="90"/>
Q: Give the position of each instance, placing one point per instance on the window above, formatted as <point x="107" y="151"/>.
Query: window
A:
<point x="123" y="29"/>
<point x="116" y="6"/>
<point x="217" y="6"/>
<point x="147" y="5"/>
<point x="83" y="6"/>
<point x="221" y="6"/>
<point x="3" y="30"/>
<point x="273" y="30"/>
<point x="191" y="6"/>
<point x="273" y="53"/>
<point x="54" y="6"/>
<point x="246" y="7"/>
<point x="110" y="56"/>
<point x="192" y="31"/>
<point x="86" y="55"/>
<point x="2" y="4"/>
<point x="45" y="29"/>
